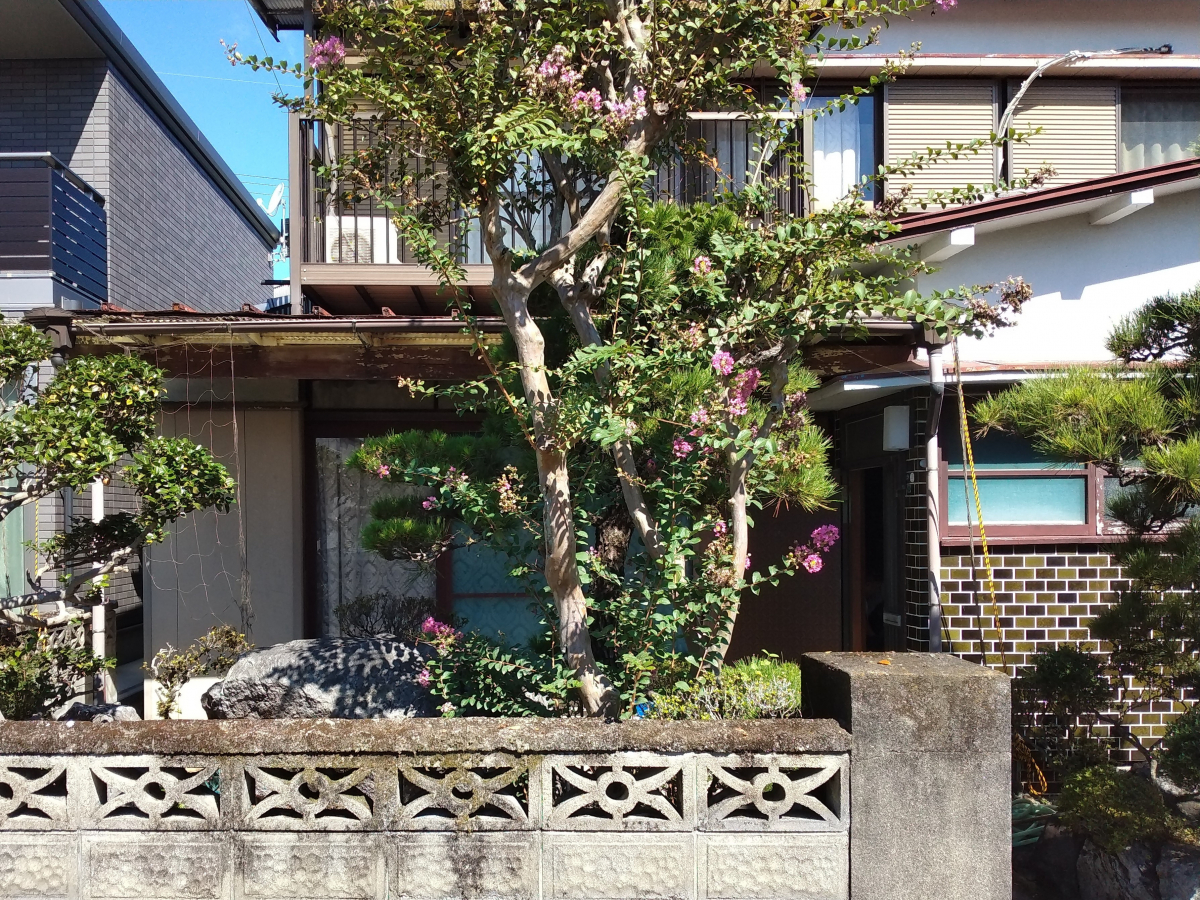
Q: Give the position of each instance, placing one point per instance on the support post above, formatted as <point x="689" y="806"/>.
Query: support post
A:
<point x="929" y="772"/>
<point x="933" y="537"/>
<point x="104" y="688"/>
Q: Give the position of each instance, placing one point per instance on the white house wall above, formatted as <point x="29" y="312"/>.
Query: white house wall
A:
<point x="195" y="578"/>
<point x="1046" y="27"/>
<point x="1085" y="277"/>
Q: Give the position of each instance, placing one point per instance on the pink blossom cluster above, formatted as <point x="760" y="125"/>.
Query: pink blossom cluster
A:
<point x="327" y="53"/>
<point x="455" y="478"/>
<point x="743" y="387"/>
<point x="383" y="471"/>
<point x="589" y="100"/>
<point x="702" y="265"/>
<point x="720" y="529"/>
<point x="722" y="362"/>
<point x="554" y="76"/>
<point x="798" y="92"/>
<point x="508" y="497"/>
<point x="439" y="633"/>
<point x="694" y="336"/>
<point x="430" y="502"/>
<point x="681" y="448"/>
<point x="947" y="4"/>
<point x="622" y="112"/>
<point x="425" y="678"/>
<point x="808" y="556"/>
<point x="699" y="418"/>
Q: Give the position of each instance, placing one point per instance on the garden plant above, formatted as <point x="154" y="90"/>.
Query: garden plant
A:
<point x="648" y="401"/>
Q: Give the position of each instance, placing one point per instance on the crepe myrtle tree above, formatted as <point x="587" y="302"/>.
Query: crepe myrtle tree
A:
<point x="93" y="419"/>
<point x="678" y="342"/>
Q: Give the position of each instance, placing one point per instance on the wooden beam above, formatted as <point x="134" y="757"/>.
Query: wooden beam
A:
<point x="419" y="296"/>
<point x="395" y="274"/>
<point x="372" y="306"/>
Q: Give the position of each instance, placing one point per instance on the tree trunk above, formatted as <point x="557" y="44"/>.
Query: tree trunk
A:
<point x="561" y="569"/>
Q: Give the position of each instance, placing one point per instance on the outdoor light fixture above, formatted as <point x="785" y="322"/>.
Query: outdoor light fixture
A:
<point x="895" y="428"/>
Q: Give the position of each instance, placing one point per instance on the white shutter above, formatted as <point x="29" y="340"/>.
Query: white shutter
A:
<point x="1079" y="130"/>
<point x="923" y="114"/>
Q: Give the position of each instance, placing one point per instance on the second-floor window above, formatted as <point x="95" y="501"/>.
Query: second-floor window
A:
<point x="1158" y="125"/>
<point x="840" y="149"/>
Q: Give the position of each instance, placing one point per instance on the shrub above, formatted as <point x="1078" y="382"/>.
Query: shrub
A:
<point x="1114" y="808"/>
<point x="384" y="616"/>
<point x="753" y="688"/>
<point x="211" y="653"/>
<point x="1181" y="750"/>
<point x="37" y="676"/>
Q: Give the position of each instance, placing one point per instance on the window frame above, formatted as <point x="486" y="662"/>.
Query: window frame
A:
<point x="1167" y="86"/>
<point x="807" y="138"/>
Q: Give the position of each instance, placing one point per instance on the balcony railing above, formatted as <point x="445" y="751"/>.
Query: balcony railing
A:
<point x="52" y="223"/>
<point x="332" y="241"/>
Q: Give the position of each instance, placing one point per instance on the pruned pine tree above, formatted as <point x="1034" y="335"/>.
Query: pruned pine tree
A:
<point x="1139" y="420"/>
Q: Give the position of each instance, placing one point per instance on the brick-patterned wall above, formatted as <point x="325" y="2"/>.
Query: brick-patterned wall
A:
<point x="60" y="105"/>
<point x="1045" y="596"/>
<point x="916" y="564"/>
<point x="173" y="235"/>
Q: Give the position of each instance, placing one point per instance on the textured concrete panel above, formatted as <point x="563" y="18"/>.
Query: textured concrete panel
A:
<point x="757" y="792"/>
<point x="781" y="867"/>
<point x="630" y="792"/>
<point x="38" y="865"/>
<point x="310" y="867"/>
<point x="467" y="866"/>
<point x="618" y="867"/>
<point x="157" y="866"/>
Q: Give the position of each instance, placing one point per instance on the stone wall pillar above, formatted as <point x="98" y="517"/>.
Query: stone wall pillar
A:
<point x="929" y="774"/>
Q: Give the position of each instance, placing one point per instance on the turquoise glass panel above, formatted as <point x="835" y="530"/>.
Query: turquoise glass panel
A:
<point x="995" y="450"/>
<point x="1029" y="500"/>
<point x="489" y="600"/>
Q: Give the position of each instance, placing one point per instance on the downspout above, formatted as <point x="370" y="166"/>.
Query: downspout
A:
<point x="933" y="537"/>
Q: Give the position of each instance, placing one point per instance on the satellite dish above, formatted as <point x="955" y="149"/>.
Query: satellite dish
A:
<point x="276" y="199"/>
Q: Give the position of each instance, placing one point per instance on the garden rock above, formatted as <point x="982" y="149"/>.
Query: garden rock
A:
<point x="1047" y="869"/>
<point x="336" y="678"/>
<point x="100" y="712"/>
<point x="1179" y="873"/>
<point x="1128" y="875"/>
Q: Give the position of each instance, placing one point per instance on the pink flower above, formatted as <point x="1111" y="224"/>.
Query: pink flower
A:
<point x="702" y="265"/>
<point x="425" y="678"/>
<point x="747" y="566"/>
<point x="743" y="387"/>
<point x="327" y="53"/>
<point x="947" y="4"/>
<point x="722" y="362"/>
<point x="681" y="447"/>
<point x="383" y="471"/>
<point x="623" y="112"/>
<point x="798" y="93"/>
<point x="720" y="529"/>
<point x="825" y="537"/>
<point x="430" y="503"/>
<point x="438" y="630"/>
<point x="813" y="563"/>
<point x="694" y="336"/>
<point x="587" y="100"/>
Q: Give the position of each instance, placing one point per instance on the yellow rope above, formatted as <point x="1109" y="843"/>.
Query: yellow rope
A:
<point x="987" y="558"/>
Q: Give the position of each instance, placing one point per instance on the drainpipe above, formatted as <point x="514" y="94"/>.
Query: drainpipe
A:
<point x="933" y="538"/>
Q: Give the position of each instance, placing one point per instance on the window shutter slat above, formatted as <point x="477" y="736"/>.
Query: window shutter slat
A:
<point x="1079" y="131"/>
<point x="926" y="114"/>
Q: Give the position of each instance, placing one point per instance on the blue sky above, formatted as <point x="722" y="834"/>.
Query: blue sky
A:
<point x="233" y="107"/>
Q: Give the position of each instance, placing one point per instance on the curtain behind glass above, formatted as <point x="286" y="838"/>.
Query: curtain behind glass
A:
<point x="1157" y="126"/>
<point x="843" y="151"/>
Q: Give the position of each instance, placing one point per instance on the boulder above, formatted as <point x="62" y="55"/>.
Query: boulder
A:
<point x="1189" y="809"/>
<point x="1047" y="869"/>
<point x="324" y="678"/>
<point x="1179" y="873"/>
<point x="1128" y="875"/>
<point x="100" y="712"/>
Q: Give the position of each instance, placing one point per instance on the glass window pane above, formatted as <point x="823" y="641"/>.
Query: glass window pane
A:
<point x="995" y="450"/>
<point x="1157" y="126"/>
<point x="1032" y="500"/>
<point x="843" y="149"/>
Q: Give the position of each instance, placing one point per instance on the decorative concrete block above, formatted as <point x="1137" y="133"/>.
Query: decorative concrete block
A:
<point x="608" y="866"/>
<point x="477" y="792"/>
<point x="466" y="866"/>
<point x="756" y="792"/>
<point x="930" y="772"/>
<point x="310" y="867"/>
<point x="42" y="866"/>
<point x="311" y="793"/>
<point x="162" y="866"/>
<point x="779" y="867"/>
<point x="626" y="792"/>
<point x="33" y="793"/>
<point x="147" y="793"/>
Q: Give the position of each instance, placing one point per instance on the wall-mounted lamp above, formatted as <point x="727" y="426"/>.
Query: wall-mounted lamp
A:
<point x="895" y="428"/>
